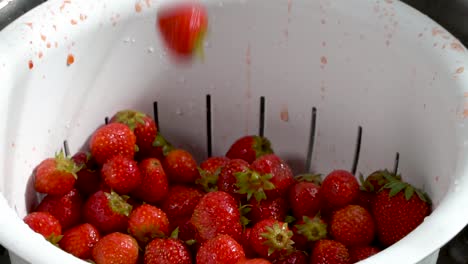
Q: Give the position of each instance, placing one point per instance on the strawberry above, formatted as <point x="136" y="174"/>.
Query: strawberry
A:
<point x="66" y="208"/>
<point x="329" y="252"/>
<point x="167" y="251"/>
<point x="154" y="185"/>
<point x="339" y="188"/>
<point x="398" y="211"/>
<point x="271" y="238"/>
<point x="181" y="167"/>
<point x="89" y="177"/>
<point x="108" y="212"/>
<point x="308" y="230"/>
<point x="227" y="180"/>
<point x="249" y="148"/>
<point x="180" y="202"/>
<point x="376" y="180"/>
<point x="147" y="222"/>
<point x="270" y="177"/>
<point x="245" y="242"/>
<point x="111" y="140"/>
<point x="121" y="174"/>
<point x="305" y="199"/>
<point x="45" y="224"/>
<point x="80" y="240"/>
<point x="253" y="261"/>
<point x="352" y="225"/>
<point x="116" y="248"/>
<point x="365" y="199"/>
<point x="272" y="208"/>
<point x="142" y="125"/>
<point x="209" y="172"/>
<point x="183" y="28"/>
<point x="221" y="249"/>
<point x="56" y="176"/>
<point x="296" y="257"/>
<point x="362" y="252"/>
<point x="217" y="213"/>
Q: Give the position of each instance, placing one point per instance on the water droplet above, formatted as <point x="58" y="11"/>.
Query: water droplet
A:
<point x="67" y="125"/>
<point x="126" y="40"/>
<point x="456" y="182"/>
<point x="133" y="40"/>
<point x="150" y="49"/>
<point x="179" y="112"/>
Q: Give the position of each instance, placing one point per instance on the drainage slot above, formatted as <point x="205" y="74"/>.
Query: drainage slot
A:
<point x="261" y="126"/>
<point x="310" y="147"/>
<point x="66" y="148"/>
<point x="208" y="126"/>
<point x="358" y="150"/>
<point x="397" y="161"/>
<point x="156" y="116"/>
<point x="106" y="120"/>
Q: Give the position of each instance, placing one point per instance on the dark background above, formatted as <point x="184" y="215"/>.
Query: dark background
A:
<point x="451" y="14"/>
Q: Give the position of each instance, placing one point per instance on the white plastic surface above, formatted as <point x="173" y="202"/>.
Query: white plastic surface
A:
<point x="376" y="64"/>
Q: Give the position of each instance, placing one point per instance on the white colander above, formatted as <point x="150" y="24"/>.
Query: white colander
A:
<point x="359" y="85"/>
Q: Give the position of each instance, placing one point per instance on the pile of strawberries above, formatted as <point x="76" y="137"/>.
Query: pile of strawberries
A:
<point x="133" y="197"/>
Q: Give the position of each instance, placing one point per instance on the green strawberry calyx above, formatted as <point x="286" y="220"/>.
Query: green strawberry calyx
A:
<point x="118" y="203"/>
<point x="54" y="239"/>
<point x="313" y="229"/>
<point x="278" y="237"/>
<point x="253" y="183"/>
<point x="244" y="210"/>
<point x="310" y="177"/>
<point x="198" y="45"/>
<point x="130" y="118"/>
<point x="160" y="141"/>
<point x="261" y="146"/>
<point x="66" y="164"/>
<point x="208" y="180"/>
<point x="396" y="186"/>
<point x="381" y="177"/>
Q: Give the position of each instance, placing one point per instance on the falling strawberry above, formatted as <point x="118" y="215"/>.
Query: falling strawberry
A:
<point x="249" y="148"/>
<point x="183" y="28"/>
<point x="329" y="252"/>
<point x="45" y="224"/>
<point x="217" y="213"/>
<point x="308" y="230"/>
<point x="227" y="179"/>
<point x="296" y="257"/>
<point x="80" y="240"/>
<point x="147" y="222"/>
<point x="181" y="167"/>
<point x="398" y="209"/>
<point x="305" y="199"/>
<point x="167" y="251"/>
<point x="116" y="248"/>
<point x="352" y="225"/>
<point x="362" y="252"/>
<point x="154" y="185"/>
<point x="339" y="188"/>
<point x="221" y="249"/>
<point x="56" y="176"/>
<point x="108" y="212"/>
<point x="111" y="140"/>
<point x="66" y="208"/>
<point x="209" y="172"/>
<point x="271" y="239"/>
<point x="121" y="174"/>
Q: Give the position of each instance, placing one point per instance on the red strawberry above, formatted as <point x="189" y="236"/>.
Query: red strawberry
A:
<point x="89" y="177"/>
<point x="116" y="248"/>
<point x="154" y="185"/>
<point x="217" y="213"/>
<point x="66" y="208"/>
<point x="253" y="261"/>
<point x="185" y="229"/>
<point x="308" y="230"/>
<point x="227" y="180"/>
<point x="305" y="199"/>
<point x="376" y="180"/>
<point x="55" y="176"/>
<point x="111" y="140"/>
<point x="270" y="177"/>
<point x="296" y="257"/>
<point x="141" y="124"/>
<point x="398" y="211"/>
<point x="271" y="239"/>
<point x="183" y="28"/>
<point x="147" y="222"/>
<point x="45" y="224"/>
<point x="181" y="167"/>
<point x="339" y="188"/>
<point x="365" y="199"/>
<point x="352" y="225"/>
<point x="209" y="172"/>
<point x="221" y="249"/>
<point x="167" y="251"/>
<point x="329" y="252"/>
<point x="245" y="242"/>
<point x="80" y="240"/>
<point x="249" y="148"/>
<point x="181" y="201"/>
<point x="362" y="252"/>
<point x="108" y="212"/>
<point x="121" y="174"/>
<point x="271" y="208"/>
